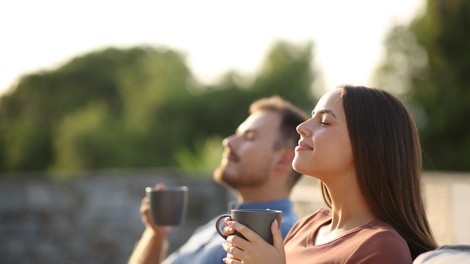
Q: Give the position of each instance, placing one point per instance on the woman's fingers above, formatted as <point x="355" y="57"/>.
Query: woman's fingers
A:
<point x="229" y="260"/>
<point x="277" y="235"/>
<point x="246" y="232"/>
<point x="238" y="242"/>
<point x="253" y="249"/>
<point x="228" y="230"/>
<point x="232" y="251"/>
<point x="236" y="247"/>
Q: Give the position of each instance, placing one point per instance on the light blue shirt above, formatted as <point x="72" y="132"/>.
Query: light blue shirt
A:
<point x="445" y="254"/>
<point x="205" y="245"/>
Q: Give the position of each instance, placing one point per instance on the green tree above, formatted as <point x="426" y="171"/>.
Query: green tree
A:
<point x="85" y="139"/>
<point x="139" y="107"/>
<point x="429" y="61"/>
<point x="128" y="85"/>
<point x="287" y="71"/>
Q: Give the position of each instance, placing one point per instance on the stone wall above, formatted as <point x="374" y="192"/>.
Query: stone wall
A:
<point x="447" y="198"/>
<point x="96" y="219"/>
<point x="91" y="220"/>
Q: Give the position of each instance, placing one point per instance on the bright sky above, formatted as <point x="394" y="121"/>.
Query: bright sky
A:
<point x="215" y="35"/>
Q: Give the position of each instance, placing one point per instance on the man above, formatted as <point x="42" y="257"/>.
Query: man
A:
<point x="257" y="165"/>
<point x="446" y="254"/>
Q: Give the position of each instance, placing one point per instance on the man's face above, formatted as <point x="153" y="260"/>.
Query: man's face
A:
<point x="248" y="160"/>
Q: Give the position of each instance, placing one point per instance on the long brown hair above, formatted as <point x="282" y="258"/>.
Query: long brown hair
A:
<point x="387" y="159"/>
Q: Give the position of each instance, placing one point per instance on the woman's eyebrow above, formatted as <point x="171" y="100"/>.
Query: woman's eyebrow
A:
<point x="325" y="111"/>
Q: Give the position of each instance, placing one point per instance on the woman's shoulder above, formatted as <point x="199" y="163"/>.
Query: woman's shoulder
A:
<point x="382" y="242"/>
<point x="379" y="228"/>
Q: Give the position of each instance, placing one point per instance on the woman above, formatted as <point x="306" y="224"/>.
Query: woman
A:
<point x="363" y="146"/>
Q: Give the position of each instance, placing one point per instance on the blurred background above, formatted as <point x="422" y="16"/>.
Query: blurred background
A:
<point x="99" y="99"/>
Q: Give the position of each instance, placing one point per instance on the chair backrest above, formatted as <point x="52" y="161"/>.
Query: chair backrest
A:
<point x="459" y="254"/>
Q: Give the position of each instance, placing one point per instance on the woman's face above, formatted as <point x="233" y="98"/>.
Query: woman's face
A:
<point x="324" y="147"/>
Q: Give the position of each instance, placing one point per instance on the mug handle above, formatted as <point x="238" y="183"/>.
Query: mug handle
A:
<point x="217" y="225"/>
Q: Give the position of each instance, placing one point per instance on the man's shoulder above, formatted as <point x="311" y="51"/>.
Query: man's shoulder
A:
<point x="446" y="254"/>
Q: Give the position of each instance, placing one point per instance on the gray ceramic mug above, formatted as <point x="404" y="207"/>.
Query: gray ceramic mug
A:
<point x="258" y="220"/>
<point x="168" y="206"/>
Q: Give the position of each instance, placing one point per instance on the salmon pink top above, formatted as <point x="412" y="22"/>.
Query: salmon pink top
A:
<point x="375" y="242"/>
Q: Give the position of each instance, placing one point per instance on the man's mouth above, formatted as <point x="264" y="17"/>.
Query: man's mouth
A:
<point x="232" y="157"/>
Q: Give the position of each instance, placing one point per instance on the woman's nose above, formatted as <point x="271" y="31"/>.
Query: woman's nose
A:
<point x="303" y="129"/>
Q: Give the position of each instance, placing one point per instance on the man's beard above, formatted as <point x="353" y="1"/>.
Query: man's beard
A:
<point x="245" y="180"/>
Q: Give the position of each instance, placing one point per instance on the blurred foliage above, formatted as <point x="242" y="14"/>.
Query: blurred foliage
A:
<point x="135" y="108"/>
<point x="204" y="159"/>
<point x="428" y="62"/>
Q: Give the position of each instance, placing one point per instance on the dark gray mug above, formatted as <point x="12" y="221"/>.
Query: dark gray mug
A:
<point x="168" y="206"/>
<point x="258" y="220"/>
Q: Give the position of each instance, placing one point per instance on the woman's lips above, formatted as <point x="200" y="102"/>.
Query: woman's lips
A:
<point x="303" y="146"/>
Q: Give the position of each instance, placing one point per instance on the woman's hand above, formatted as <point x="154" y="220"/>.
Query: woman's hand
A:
<point x="253" y="249"/>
